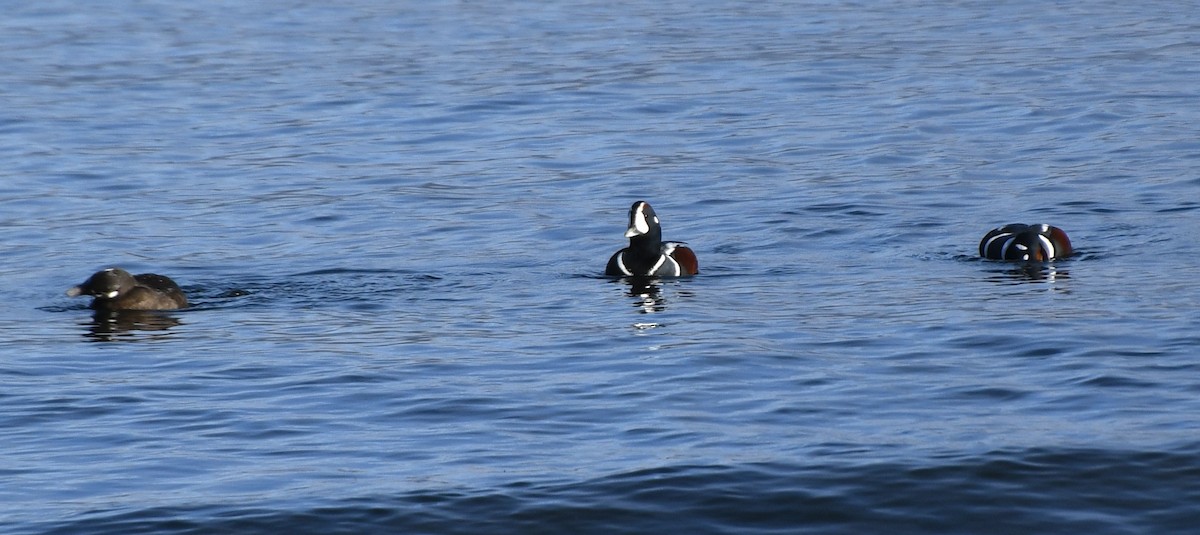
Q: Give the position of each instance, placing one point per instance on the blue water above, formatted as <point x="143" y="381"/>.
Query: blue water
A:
<point x="392" y="218"/>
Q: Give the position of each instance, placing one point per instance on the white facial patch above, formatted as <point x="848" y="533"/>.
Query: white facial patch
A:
<point x="639" y="222"/>
<point x="112" y="294"/>
<point x="640" y="226"/>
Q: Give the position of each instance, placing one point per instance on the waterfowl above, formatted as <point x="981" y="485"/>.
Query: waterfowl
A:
<point x="1031" y="243"/>
<point x="116" y="289"/>
<point x="647" y="255"/>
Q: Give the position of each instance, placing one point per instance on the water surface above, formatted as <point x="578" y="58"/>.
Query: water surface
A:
<point x="392" y="220"/>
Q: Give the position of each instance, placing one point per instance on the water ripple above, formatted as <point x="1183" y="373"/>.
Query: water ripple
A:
<point x="392" y="221"/>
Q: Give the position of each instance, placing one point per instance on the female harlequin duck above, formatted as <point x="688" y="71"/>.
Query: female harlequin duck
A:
<point x="116" y="289"/>
<point x="1033" y="243"/>
<point x="647" y="255"/>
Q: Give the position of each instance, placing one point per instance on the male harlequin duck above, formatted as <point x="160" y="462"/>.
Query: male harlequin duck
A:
<point x="116" y="289"/>
<point x="647" y="254"/>
<point x="1034" y="243"/>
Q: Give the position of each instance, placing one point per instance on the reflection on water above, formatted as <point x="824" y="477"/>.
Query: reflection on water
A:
<point x="646" y="292"/>
<point x="129" y="325"/>
<point x="647" y="296"/>
<point x="395" y="254"/>
<point x="1031" y="272"/>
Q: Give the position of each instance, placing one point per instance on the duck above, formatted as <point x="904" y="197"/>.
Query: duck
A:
<point x="1029" y="243"/>
<point x="115" y="289"/>
<point x="648" y="255"/>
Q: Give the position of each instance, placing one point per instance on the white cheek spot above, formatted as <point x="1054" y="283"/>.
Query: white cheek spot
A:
<point x="112" y="294"/>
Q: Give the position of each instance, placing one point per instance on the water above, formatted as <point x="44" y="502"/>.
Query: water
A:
<point x="392" y="219"/>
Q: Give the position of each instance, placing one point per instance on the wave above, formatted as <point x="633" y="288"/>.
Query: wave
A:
<point x="1032" y="491"/>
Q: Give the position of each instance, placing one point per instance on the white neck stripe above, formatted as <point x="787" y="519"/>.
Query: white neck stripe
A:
<point x="1004" y="249"/>
<point x="621" y="264"/>
<point x="661" y="259"/>
<point x="1048" y="245"/>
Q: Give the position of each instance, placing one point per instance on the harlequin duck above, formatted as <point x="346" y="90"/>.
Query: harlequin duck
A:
<point x="1034" y="243"/>
<point x="647" y="254"/>
<point x="116" y="289"/>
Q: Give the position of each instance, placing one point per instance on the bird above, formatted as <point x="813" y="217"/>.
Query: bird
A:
<point x="115" y="289"/>
<point x="1030" y="243"/>
<point x="647" y="255"/>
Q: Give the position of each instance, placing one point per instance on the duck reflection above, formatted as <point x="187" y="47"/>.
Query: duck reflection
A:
<point x="129" y="325"/>
<point x="1034" y="272"/>
<point x="646" y="292"/>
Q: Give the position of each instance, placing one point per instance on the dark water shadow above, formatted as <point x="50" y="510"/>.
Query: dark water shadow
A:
<point x="646" y="293"/>
<point x="1006" y="271"/>
<point x="352" y="289"/>
<point x="997" y="492"/>
<point x="1030" y="272"/>
<point x="130" y="325"/>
